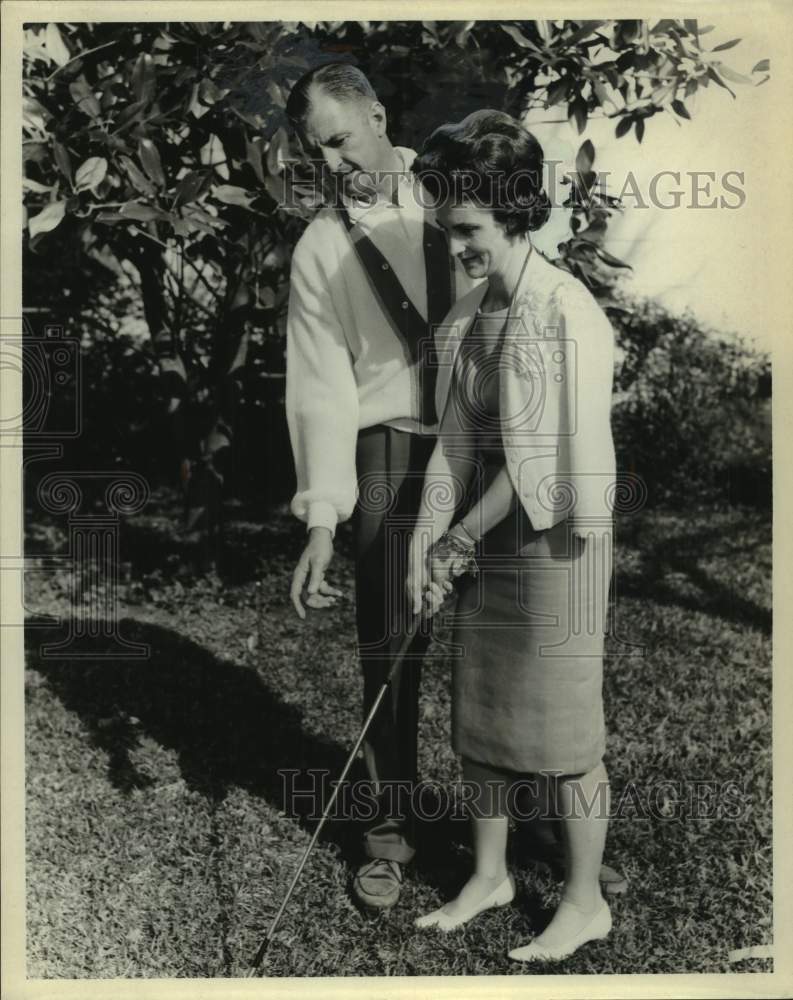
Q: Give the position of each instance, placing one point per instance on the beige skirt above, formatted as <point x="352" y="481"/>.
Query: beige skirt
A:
<point x="527" y="679"/>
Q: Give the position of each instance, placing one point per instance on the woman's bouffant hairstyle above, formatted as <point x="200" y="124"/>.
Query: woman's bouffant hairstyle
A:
<point x="341" y="80"/>
<point x="492" y="161"/>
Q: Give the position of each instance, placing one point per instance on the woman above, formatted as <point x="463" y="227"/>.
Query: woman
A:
<point x="526" y="428"/>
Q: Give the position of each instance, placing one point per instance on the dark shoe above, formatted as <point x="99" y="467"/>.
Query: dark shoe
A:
<point x="550" y="854"/>
<point x="377" y="883"/>
<point x="612" y="882"/>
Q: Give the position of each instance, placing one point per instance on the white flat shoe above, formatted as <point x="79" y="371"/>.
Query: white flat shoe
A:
<point x="502" y="895"/>
<point x="595" y="930"/>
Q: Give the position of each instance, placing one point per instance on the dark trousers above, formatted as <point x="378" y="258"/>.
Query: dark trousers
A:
<point x="391" y="467"/>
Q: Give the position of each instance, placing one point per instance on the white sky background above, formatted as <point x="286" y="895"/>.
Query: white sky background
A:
<point x="707" y="260"/>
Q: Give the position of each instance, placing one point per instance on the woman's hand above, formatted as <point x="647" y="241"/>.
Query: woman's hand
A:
<point x="450" y="557"/>
<point x="423" y="585"/>
<point x="440" y="570"/>
<point x="417" y="578"/>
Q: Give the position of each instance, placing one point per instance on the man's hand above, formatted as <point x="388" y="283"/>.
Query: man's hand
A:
<point x="312" y="564"/>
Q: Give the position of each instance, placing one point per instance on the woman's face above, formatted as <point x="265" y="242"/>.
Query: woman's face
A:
<point x="475" y="238"/>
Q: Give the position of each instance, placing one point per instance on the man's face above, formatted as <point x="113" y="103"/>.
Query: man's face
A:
<point x="348" y="135"/>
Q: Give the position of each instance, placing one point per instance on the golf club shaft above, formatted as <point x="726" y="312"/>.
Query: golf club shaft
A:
<point x="400" y="655"/>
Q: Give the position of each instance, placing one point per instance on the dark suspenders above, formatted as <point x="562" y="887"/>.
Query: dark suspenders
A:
<point x="413" y="330"/>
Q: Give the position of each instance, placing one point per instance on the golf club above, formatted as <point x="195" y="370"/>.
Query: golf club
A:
<point x="392" y="673"/>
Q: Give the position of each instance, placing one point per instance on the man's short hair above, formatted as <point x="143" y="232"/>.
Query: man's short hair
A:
<point x="341" y="80"/>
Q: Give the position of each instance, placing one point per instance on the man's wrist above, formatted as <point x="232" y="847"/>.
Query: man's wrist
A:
<point x="322" y="514"/>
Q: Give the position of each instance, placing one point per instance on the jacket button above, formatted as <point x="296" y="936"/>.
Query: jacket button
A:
<point x="404" y="304"/>
<point x="384" y="267"/>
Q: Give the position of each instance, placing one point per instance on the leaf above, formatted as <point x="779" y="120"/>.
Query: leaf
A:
<point x="584" y="31"/>
<point x="36" y="151"/>
<point x="192" y="213"/>
<point x="142" y="213"/>
<point x="194" y="106"/>
<point x="557" y="91"/>
<point x="640" y="129"/>
<point x="713" y="75"/>
<point x="276" y="94"/>
<point x="679" y="108"/>
<point x="33" y="46"/>
<point x="662" y="27"/>
<point x="183" y="228"/>
<point x="56" y="46"/>
<point x="279" y="144"/>
<point x="84" y="98"/>
<point x="144" y="78"/>
<point x="130" y="113"/>
<point x="664" y="92"/>
<point x="30" y="185"/>
<point x="517" y="36"/>
<point x="623" y="126"/>
<point x="461" y="35"/>
<point x="762" y="67"/>
<point x="254" y="151"/>
<point x="732" y="76"/>
<point x="725" y="45"/>
<point x="209" y="92"/>
<point x="188" y="188"/>
<point x="137" y="178"/>
<point x="214" y="155"/>
<point x="47" y="219"/>
<point x="585" y="157"/>
<point x="34" y="115"/>
<point x="230" y="194"/>
<point x="610" y="259"/>
<point x="90" y="174"/>
<point x="149" y="156"/>
<point x="576" y="113"/>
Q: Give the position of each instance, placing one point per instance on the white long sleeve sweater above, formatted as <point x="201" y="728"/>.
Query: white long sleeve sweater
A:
<point x="346" y="368"/>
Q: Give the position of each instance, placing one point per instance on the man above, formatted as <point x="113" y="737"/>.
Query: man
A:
<point x="370" y="276"/>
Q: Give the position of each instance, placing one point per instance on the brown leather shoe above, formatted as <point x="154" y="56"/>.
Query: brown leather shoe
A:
<point x="612" y="882"/>
<point x="377" y="883"/>
<point x="550" y="855"/>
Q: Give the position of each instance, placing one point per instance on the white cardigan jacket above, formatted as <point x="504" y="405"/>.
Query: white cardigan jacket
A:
<point x="555" y="385"/>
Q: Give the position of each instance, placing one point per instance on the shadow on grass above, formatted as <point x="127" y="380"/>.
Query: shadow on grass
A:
<point x="679" y="554"/>
<point x="248" y="539"/>
<point x="226" y="726"/>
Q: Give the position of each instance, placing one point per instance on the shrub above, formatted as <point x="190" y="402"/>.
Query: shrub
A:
<point x="691" y="409"/>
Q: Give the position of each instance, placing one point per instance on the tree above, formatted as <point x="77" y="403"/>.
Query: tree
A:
<point x="163" y="151"/>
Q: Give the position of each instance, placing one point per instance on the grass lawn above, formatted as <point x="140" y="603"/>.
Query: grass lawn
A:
<point x="159" y="841"/>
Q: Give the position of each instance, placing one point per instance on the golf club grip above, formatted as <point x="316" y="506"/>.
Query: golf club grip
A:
<point x="410" y="635"/>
